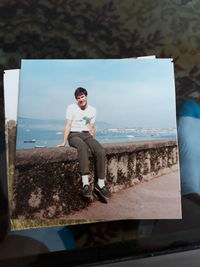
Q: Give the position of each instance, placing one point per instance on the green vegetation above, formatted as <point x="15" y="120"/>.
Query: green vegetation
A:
<point x="11" y="146"/>
<point x="20" y="224"/>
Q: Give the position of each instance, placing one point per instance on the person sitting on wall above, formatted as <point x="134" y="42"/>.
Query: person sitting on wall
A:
<point x="79" y="132"/>
<point x="189" y="147"/>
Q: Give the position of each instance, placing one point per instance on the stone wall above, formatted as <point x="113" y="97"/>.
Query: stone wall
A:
<point x="47" y="183"/>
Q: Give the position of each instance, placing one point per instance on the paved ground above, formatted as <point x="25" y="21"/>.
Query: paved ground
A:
<point x="155" y="199"/>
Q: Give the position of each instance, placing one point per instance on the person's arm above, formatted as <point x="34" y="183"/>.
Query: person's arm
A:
<point x="66" y="133"/>
<point x="92" y="122"/>
<point x="91" y="129"/>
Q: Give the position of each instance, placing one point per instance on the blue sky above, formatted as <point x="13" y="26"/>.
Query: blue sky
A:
<point x="125" y="92"/>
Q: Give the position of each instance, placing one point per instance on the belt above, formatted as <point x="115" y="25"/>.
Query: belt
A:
<point x="80" y="132"/>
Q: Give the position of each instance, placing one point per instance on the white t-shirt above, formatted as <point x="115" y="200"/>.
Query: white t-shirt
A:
<point x="80" y="118"/>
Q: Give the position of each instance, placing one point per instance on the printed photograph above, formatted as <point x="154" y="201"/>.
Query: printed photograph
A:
<point x="93" y="140"/>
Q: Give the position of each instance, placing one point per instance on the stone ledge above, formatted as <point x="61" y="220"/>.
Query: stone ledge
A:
<point x="30" y="157"/>
<point x="47" y="183"/>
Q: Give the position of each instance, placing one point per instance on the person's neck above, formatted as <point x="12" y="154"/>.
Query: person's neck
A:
<point x="84" y="107"/>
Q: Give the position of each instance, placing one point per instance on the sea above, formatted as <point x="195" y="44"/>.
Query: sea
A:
<point x="38" y="138"/>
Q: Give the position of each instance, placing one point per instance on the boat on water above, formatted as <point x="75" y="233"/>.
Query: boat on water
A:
<point x="33" y="140"/>
<point x="130" y="136"/>
<point x="59" y="133"/>
<point x="38" y="146"/>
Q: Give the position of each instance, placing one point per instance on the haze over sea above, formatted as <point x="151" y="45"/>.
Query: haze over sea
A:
<point x="50" y="133"/>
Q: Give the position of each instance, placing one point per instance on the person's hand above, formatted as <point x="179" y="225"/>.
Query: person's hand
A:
<point x="91" y="133"/>
<point x="61" y="145"/>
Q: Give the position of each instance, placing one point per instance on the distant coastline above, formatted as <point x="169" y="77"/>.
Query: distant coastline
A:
<point x="51" y="138"/>
<point x="48" y="133"/>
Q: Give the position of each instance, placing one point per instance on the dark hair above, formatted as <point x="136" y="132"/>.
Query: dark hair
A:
<point x="80" y="90"/>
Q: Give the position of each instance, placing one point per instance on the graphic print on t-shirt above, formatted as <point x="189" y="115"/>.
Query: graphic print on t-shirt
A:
<point x="87" y="120"/>
<point x="82" y="123"/>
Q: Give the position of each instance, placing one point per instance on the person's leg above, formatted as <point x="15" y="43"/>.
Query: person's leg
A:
<point x="82" y="149"/>
<point x="99" y="154"/>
